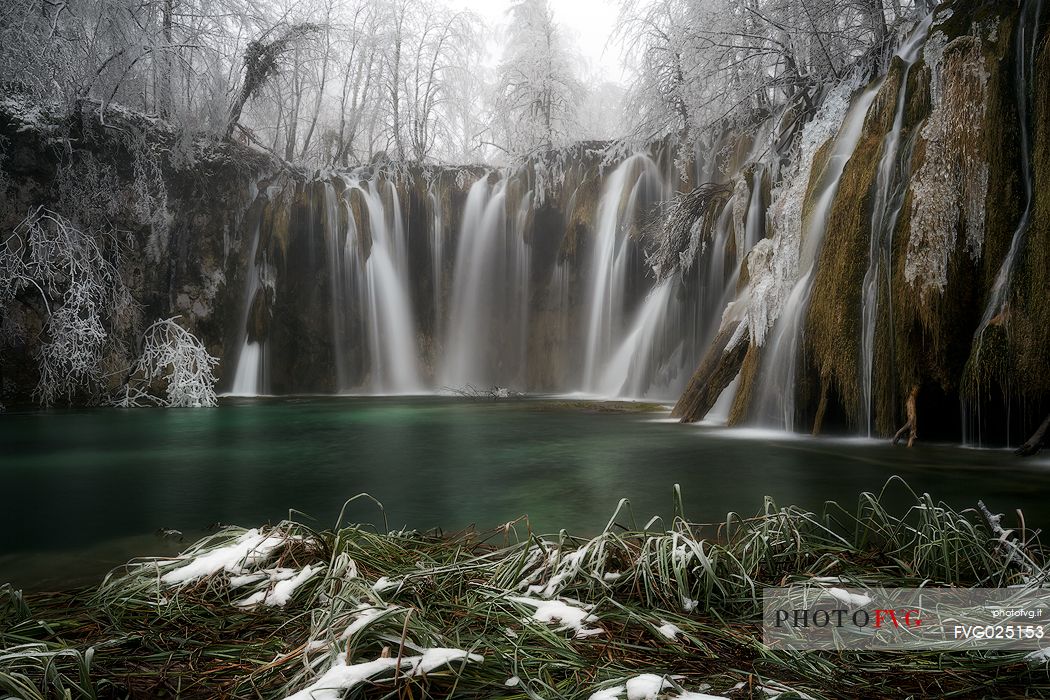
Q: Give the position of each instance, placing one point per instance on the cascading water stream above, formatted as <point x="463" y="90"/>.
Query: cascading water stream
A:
<point x="437" y="256"/>
<point x="337" y="285"/>
<point x="389" y="318"/>
<point x="776" y="397"/>
<point x="249" y="377"/>
<point x="754" y="225"/>
<point x="468" y="330"/>
<point x="520" y="272"/>
<point x="890" y="187"/>
<point x="627" y="371"/>
<point x="613" y="249"/>
<point x="1026" y="42"/>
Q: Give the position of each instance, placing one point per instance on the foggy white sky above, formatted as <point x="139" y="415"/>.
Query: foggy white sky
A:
<point x="588" y="22"/>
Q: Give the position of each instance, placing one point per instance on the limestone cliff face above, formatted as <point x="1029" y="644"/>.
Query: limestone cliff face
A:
<point x="959" y="165"/>
<point x="960" y="199"/>
<point x="178" y="209"/>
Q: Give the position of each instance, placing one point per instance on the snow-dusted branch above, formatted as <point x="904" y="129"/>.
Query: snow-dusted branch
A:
<point x="76" y="278"/>
<point x="174" y="357"/>
<point x="675" y="239"/>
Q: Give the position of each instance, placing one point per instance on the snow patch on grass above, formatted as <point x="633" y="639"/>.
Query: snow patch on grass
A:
<point x="384" y="584"/>
<point x="341" y="676"/>
<point x="249" y="549"/>
<point x="281" y="592"/>
<point x="669" y="630"/>
<point x="646" y="686"/>
<point x="568" y="616"/>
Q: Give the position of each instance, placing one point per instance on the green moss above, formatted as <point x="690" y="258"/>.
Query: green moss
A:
<point x="741" y="409"/>
<point x="833" y="324"/>
<point x="1029" y="319"/>
<point x="932" y="335"/>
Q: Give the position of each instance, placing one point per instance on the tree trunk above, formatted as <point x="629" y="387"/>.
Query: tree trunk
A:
<point x="912" y="412"/>
<point x="165" y="101"/>
<point x="822" y="407"/>
<point x="1036" y="442"/>
<point x="717" y="369"/>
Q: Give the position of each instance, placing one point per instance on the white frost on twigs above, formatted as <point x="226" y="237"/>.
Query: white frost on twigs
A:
<point x="950" y="187"/>
<point x="76" y="276"/>
<point x="172" y="353"/>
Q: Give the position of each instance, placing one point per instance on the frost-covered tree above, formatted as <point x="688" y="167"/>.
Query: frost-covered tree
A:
<point x="537" y="91"/>
<point x="175" y="358"/>
<point x="710" y="65"/>
<point x="445" y="49"/>
<point x="71" y="279"/>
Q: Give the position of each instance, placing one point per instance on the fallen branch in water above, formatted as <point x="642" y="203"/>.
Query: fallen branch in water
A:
<point x="472" y="392"/>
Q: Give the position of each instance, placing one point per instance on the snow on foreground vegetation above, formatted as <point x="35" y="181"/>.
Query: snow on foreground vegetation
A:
<point x="289" y="612"/>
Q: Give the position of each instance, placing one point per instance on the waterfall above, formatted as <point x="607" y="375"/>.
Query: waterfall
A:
<point x="776" y="396"/>
<point x="609" y="265"/>
<point x="627" y="373"/>
<point x="437" y="255"/>
<point x="746" y="233"/>
<point x="1025" y="43"/>
<point x="754" y="224"/>
<point x="249" y="375"/>
<point x="338" y="292"/>
<point x="890" y="187"/>
<point x="246" y="378"/>
<point x="472" y="279"/>
<point x="719" y="413"/>
<point x="388" y="313"/>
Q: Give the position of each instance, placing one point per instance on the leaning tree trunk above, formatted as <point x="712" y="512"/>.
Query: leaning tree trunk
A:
<point x="1036" y="442"/>
<point x="721" y="363"/>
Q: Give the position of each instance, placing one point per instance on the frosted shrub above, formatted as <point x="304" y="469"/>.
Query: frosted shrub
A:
<point x="950" y="188"/>
<point x="79" y="286"/>
<point x="172" y="354"/>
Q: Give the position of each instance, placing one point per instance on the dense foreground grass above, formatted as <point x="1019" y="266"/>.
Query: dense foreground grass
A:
<point x="508" y="614"/>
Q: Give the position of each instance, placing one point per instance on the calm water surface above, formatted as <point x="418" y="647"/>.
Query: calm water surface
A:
<point x="85" y="490"/>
